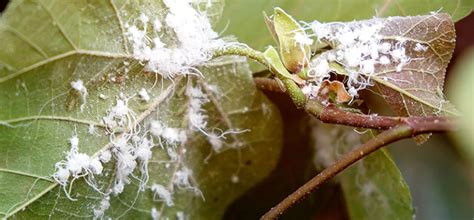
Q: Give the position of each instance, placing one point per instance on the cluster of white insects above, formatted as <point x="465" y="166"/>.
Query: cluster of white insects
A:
<point x="359" y="47"/>
<point x="131" y="150"/>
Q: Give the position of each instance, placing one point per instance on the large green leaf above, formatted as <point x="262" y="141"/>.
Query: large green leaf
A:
<point x="373" y="187"/>
<point x="47" y="44"/>
<point x="249" y="26"/>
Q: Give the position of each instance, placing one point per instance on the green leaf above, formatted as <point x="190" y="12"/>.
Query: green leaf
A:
<point x="275" y="63"/>
<point x="295" y="55"/>
<point x="460" y="89"/>
<point x="247" y="26"/>
<point x="288" y="79"/>
<point x="373" y="187"/>
<point x="49" y="44"/>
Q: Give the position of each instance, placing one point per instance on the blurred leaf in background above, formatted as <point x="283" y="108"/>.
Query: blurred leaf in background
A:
<point x="441" y="182"/>
<point x="461" y="90"/>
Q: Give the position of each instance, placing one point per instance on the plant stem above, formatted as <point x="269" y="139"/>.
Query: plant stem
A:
<point x="268" y="84"/>
<point x="242" y="51"/>
<point x="333" y="115"/>
<point x="405" y="129"/>
<point x="292" y="89"/>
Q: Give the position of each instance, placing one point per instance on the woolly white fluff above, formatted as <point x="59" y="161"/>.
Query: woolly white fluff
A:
<point x="78" y="85"/>
<point x="76" y="165"/>
<point x="216" y="143"/>
<point x="196" y="40"/>
<point x="103" y="206"/>
<point x="359" y="48"/>
<point x="420" y="47"/>
<point x="105" y="156"/>
<point x="303" y="39"/>
<point x="180" y="215"/>
<point x="126" y="163"/>
<point x="195" y="44"/>
<point x="168" y="134"/>
<point x="182" y="177"/>
<point x="196" y="114"/>
<point x="235" y="179"/>
<point x="160" y="193"/>
<point x="155" y="215"/>
<point x="144" y="95"/>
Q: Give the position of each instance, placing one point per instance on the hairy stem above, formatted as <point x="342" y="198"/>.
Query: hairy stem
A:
<point x="242" y="51"/>
<point x="293" y="90"/>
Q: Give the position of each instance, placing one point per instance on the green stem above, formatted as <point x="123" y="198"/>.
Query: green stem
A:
<point x="294" y="91"/>
<point x="242" y="51"/>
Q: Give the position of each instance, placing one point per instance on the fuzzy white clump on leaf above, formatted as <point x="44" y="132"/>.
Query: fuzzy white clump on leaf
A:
<point x="120" y="115"/>
<point x="235" y="179"/>
<point x="78" y="85"/>
<point x="126" y="163"/>
<point x="143" y="153"/>
<point x="144" y="95"/>
<point x="216" y="143"/>
<point x="196" y="114"/>
<point x="420" y="47"/>
<point x="105" y="156"/>
<point x="303" y="39"/>
<point x="358" y="47"/>
<point x="155" y="215"/>
<point x="180" y="215"/>
<point x="76" y="165"/>
<point x="160" y="193"/>
<point x="170" y="135"/>
<point x="103" y="206"/>
<point x="196" y="40"/>
<point x="182" y="179"/>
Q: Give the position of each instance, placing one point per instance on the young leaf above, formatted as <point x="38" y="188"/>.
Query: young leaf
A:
<point x="276" y="66"/>
<point x="295" y="51"/>
<point x="289" y="80"/>
<point x="373" y="187"/>
<point x="40" y="111"/>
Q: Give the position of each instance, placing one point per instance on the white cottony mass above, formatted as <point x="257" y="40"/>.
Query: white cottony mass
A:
<point x="195" y="44"/>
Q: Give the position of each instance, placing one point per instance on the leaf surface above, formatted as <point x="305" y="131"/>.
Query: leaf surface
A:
<point x="47" y="45"/>
<point x="417" y="89"/>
